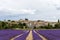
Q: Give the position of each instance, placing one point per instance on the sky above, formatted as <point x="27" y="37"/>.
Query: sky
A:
<point x="48" y="10"/>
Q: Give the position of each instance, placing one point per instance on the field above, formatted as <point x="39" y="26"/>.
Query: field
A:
<point x="10" y="34"/>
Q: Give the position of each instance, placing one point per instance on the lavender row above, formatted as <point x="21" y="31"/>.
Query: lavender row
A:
<point x="50" y="34"/>
<point x="23" y="37"/>
<point x="8" y="34"/>
<point x="35" y="36"/>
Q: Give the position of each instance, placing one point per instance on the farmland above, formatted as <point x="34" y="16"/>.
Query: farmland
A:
<point x="10" y="34"/>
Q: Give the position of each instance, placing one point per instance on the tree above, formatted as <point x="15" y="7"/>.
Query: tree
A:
<point x="13" y="21"/>
<point x="57" y="25"/>
<point x="34" y="27"/>
<point x="14" y="26"/>
<point x="38" y="20"/>
<point x="20" y="25"/>
<point x="49" y="26"/>
<point x="58" y="21"/>
<point x="24" y="25"/>
<point x="9" y="20"/>
<point x="0" y="25"/>
<point x="26" y="19"/>
<point x="3" y="25"/>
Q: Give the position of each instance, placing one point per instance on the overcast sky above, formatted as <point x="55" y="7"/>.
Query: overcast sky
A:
<point x="32" y="9"/>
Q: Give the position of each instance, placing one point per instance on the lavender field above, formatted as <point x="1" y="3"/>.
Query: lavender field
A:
<point x="9" y="34"/>
<point x="50" y="34"/>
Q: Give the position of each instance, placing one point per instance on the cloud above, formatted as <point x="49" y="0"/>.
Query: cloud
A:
<point x="39" y="8"/>
<point x="21" y="11"/>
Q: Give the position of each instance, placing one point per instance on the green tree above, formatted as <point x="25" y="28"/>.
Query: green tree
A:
<point x="58" y="21"/>
<point x="26" y="19"/>
<point x="0" y="24"/>
<point x="34" y="27"/>
<point x="57" y="26"/>
<point x="3" y="25"/>
<point x="14" y="26"/>
<point x="24" y="25"/>
<point x="9" y="20"/>
<point x="20" y="25"/>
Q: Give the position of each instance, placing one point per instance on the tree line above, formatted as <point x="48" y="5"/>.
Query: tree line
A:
<point x="56" y="26"/>
<point x="8" y="25"/>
